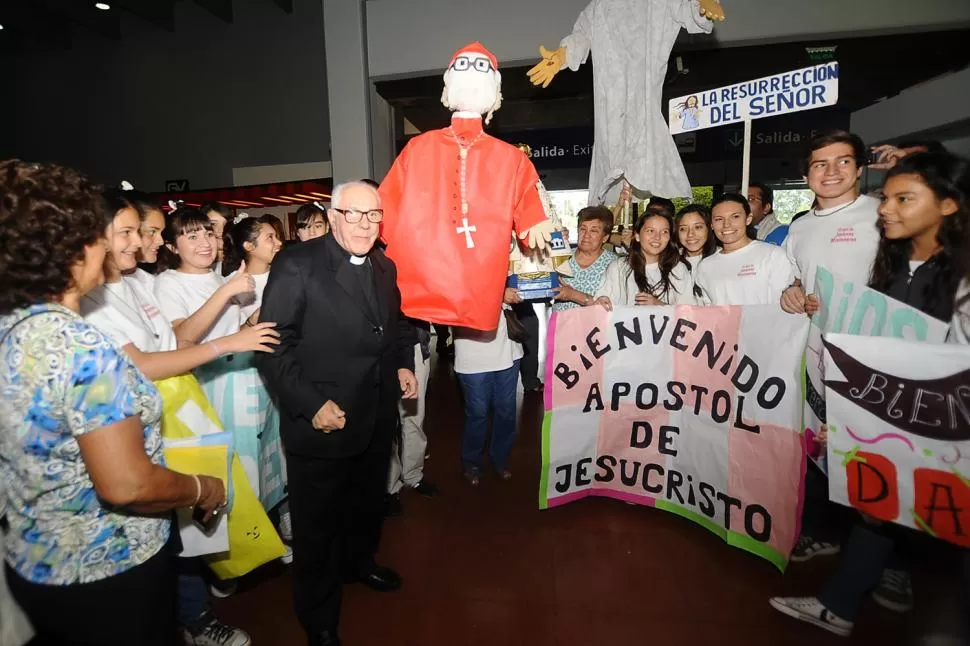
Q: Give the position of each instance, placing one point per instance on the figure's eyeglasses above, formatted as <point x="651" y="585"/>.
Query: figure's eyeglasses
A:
<point x="353" y="216"/>
<point x="462" y="63"/>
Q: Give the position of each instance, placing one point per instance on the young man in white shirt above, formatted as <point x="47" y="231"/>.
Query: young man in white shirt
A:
<point x="841" y="234"/>
<point x="744" y="271"/>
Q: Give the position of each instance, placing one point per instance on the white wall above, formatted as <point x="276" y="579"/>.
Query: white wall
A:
<point x="931" y="107"/>
<point x="193" y="104"/>
<point x="419" y="36"/>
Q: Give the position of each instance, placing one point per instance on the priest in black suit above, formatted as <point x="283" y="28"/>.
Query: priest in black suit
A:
<point x="345" y="359"/>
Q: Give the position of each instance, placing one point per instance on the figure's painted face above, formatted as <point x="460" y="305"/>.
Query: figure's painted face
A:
<point x="692" y="102"/>
<point x="472" y="84"/>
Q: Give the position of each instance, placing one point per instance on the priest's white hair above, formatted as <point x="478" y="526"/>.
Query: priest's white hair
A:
<point x="338" y="191"/>
<point x="452" y="102"/>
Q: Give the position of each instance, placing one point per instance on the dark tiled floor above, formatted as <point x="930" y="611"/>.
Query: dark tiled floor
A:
<point x="485" y="567"/>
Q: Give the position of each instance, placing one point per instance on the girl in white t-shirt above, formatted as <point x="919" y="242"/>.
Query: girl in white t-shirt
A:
<point x="126" y="309"/>
<point x="202" y="308"/>
<point x="653" y="273"/>
<point x="694" y="237"/>
<point x="743" y="271"/>
<point x="220" y="217"/>
<point x="251" y="241"/>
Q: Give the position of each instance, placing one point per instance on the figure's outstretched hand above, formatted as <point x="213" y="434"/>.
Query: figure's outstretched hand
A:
<point x="712" y="10"/>
<point x="538" y="235"/>
<point x="545" y="70"/>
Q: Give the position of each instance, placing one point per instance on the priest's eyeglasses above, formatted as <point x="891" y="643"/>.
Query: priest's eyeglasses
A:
<point x="353" y="216"/>
<point x="462" y="63"/>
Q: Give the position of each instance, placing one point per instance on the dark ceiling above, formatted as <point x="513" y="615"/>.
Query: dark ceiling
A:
<point x="43" y="25"/>
<point x="869" y="69"/>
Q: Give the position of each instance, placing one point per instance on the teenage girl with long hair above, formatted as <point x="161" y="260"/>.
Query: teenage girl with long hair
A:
<point x="694" y="237"/>
<point x="653" y="273"/>
<point x="251" y="244"/>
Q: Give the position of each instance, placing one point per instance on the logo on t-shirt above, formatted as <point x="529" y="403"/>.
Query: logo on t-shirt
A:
<point x="747" y="270"/>
<point x="151" y="311"/>
<point x="845" y="234"/>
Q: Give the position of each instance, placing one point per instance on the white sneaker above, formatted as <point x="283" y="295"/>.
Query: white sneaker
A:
<point x="287" y="557"/>
<point x="224" y="590"/>
<point x="216" y="633"/>
<point x="811" y="610"/>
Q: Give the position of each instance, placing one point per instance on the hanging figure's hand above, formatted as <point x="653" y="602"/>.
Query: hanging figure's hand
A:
<point x="538" y="235"/>
<point x="545" y="70"/>
<point x="712" y="10"/>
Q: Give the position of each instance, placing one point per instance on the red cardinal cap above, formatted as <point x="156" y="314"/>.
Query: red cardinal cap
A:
<point x="475" y="48"/>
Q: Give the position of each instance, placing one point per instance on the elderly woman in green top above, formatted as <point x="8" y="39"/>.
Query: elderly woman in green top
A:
<point x="588" y="264"/>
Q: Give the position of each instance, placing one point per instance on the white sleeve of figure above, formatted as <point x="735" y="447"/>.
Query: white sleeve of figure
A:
<point x="579" y="42"/>
<point x="687" y="14"/>
<point x="547" y="205"/>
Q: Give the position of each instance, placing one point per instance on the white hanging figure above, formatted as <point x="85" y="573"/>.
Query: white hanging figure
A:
<point x="631" y="42"/>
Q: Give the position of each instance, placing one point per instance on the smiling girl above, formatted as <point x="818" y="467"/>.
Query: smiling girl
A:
<point x="652" y="274"/>
<point x="743" y="271"/>
<point x="694" y="237"/>
<point x="251" y="242"/>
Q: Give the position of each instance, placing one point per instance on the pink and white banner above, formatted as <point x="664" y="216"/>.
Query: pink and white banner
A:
<point x="694" y="410"/>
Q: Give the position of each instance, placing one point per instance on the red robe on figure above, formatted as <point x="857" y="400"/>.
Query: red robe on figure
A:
<point x="452" y="267"/>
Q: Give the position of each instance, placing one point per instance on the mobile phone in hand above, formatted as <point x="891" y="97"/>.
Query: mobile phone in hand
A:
<point x="207" y="526"/>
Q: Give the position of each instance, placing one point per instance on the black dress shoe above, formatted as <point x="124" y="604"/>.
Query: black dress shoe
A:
<point x="380" y="579"/>
<point x="325" y="638"/>
<point x="426" y="489"/>
<point x="392" y="505"/>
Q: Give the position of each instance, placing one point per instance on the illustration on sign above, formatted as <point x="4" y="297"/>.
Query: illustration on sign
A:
<point x="899" y="432"/>
<point x="804" y="89"/>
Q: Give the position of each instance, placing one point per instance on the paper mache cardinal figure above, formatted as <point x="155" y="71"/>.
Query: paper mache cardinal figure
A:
<point x="631" y="41"/>
<point x="453" y="198"/>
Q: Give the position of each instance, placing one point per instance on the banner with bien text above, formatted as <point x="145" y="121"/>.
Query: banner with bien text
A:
<point x="899" y="432"/>
<point x="693" y="410"/>
<point x="848" y="308"/>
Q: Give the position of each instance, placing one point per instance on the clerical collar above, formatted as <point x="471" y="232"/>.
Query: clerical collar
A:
<point x="466" y="127"/>
<point x="357" y="260"/>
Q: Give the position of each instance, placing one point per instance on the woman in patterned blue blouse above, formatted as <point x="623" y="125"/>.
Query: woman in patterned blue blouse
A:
<point x="589" y="262"/>
<point x="84" y="494"/>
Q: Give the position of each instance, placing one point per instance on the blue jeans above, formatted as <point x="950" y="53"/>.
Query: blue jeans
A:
<point x="193" y="594"/>
<point x="485" y="391"/>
